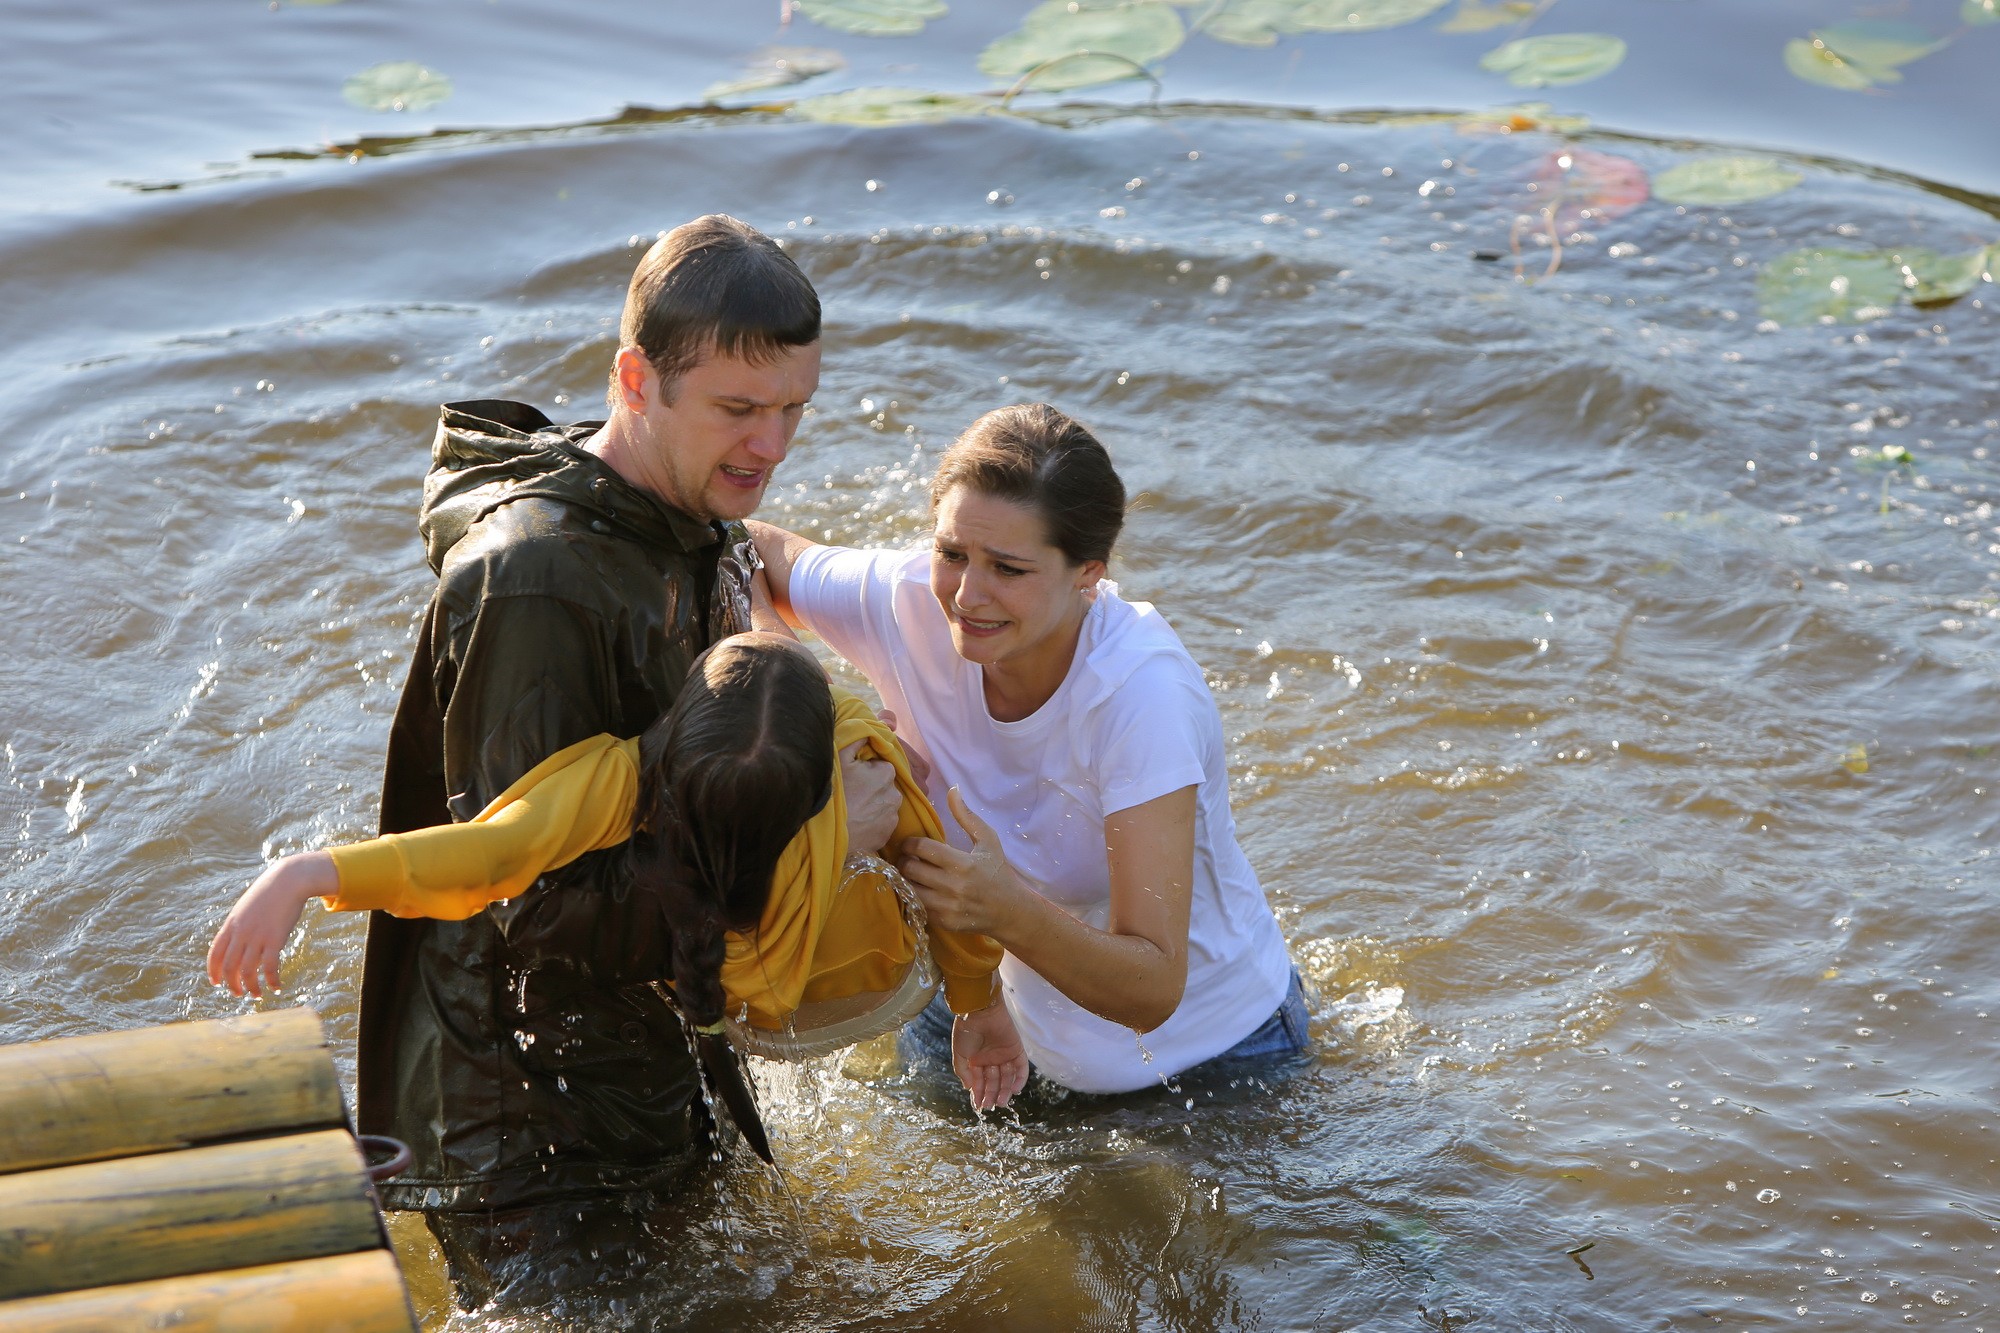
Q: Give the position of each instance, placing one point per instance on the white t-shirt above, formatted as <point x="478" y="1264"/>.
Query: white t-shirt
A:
<point x="1133" y="720"/>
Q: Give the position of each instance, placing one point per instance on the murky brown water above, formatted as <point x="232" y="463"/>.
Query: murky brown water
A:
<point x="1544" y="703"/>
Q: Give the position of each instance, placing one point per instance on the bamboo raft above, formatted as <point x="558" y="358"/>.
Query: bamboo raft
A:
<point x="197" y="1176"/>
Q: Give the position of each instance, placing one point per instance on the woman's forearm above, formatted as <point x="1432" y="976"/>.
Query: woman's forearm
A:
<point x="1124" y="979"/>
<point x="778" y="550"/>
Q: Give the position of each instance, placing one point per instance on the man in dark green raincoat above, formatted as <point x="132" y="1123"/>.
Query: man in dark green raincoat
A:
<point x="526" y="1055"/>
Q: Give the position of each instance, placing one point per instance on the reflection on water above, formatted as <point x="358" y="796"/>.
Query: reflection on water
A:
<point x="1546" y="620"/>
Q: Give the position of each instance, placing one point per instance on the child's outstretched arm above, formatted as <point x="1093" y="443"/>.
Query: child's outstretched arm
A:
<point x="245" y="954"/>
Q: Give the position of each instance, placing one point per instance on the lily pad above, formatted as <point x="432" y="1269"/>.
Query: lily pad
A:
<point x="1721" y="181"/>
<point x="1878" y="45"/>
<point x="1473" y="16"/>
<point x="1815" y="63"/>
<point x="1979" y="11"/>
<point x="1859" y="55"/>
<point x="778" y="67"/>
<point x="400" y="85"/>
<point x="879" y="107"/>
<point x="1559" y="58"/>
<point x="1247" y="22"/>
<point x="1933" y="279"/>
<point x="1358" y="15"/>
<point x="1064" y="44"/>
<point x="1811" y="285"/>
<point x="872" y="18"/>
<point x="1585" y="186"/>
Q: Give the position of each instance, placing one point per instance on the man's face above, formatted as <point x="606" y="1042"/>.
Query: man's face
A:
<point x="710" y="452"/>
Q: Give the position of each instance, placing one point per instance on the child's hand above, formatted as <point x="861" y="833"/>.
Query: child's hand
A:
<point x="986" y="1051"/>
<point x="245" y="954"/>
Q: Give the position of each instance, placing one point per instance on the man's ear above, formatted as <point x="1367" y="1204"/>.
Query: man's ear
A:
<point x="638" y="383"/>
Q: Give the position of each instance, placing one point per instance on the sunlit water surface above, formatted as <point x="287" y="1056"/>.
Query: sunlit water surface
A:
<point x="1618" y="749"/>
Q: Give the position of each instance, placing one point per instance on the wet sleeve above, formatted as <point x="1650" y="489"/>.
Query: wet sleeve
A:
<point x="578" y="800"/>
<point x="845" y="597"/>
<point x="535" y="674"/>
<point x="968" y="963"/>
<point x="1150" y="737"/>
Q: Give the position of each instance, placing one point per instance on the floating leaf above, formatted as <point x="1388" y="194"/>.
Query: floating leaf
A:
<point x="1247" y="22"/>
<point x="1520" y="119"/>
<point x="1932" y="279"/>
<point x="1064" y="44"/>
<point x="400" y="85"/>
<point x="1559" y="58"/>
<point x="1814" y="63"/>
<point x="778" y="67"/>
<point x="1808" y="286"/>
<point x="1854" y="761"/>
<point x="1721" y="181"/>
<point x="877" y="107"/>
<point x="1359" y="15"/>
<point x="872" y="18"/>
<point x="1875" y="45"/>
<point x="1980" y="11"/>
<point x="1473" y="16"/>
<point x="1586" y="186"/>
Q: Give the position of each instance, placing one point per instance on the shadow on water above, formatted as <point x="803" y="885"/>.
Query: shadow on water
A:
<point x="1612" y="713"/>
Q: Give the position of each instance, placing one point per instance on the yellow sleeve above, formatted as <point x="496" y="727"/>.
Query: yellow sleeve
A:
<point x="577" y="800"/>
<point x="969" y="963"/>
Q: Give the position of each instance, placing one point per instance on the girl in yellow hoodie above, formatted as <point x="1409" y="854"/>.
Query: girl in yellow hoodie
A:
<point x="735" y="822"/>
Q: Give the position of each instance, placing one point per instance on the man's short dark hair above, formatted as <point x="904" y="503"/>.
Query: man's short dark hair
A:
<point x="715" y="286"/>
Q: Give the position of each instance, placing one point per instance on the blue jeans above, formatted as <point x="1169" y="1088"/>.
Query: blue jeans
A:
<point x="926" y="1039"/>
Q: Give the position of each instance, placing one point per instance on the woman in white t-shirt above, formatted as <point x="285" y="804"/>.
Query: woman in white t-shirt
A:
<point x="1077" y="746"/>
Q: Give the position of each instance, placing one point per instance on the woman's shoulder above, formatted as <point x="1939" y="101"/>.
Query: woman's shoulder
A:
<point x="1136" y="661"/>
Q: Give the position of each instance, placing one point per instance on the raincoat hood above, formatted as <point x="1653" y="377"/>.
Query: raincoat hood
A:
<point x="490" y="452"/>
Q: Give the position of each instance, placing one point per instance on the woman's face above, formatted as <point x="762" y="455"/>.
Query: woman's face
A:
<point x="1006" y="590"/>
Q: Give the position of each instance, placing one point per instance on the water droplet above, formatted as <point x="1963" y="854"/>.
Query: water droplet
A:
<point x="1768" y="1196"/>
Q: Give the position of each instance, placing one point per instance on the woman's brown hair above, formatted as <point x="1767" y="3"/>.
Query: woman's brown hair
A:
<point x="1044" y="459"/>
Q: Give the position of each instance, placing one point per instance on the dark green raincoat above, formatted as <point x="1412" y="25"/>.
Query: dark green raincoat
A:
<point x="524" y="1054"/>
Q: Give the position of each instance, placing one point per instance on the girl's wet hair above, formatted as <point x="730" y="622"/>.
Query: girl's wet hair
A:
<point x="1037" y="456"/>
<point x="727" y="779"/>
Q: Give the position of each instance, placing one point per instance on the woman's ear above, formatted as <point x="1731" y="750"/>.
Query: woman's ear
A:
<point x="1088" y="573"/>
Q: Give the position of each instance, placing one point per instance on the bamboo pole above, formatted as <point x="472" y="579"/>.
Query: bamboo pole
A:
<point x="79" y="1099"/>
<point x="348" y="1293"/>
<point x="227" y="1206"/>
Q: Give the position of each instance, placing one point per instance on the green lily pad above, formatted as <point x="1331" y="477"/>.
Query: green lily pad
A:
<point x="1815" y="63"/>
<point x="778" y="67"/>
<point x="1721" y="181"/>
<point x="400" y="85"/>
<point x="1064" y="44"/>
<point x="872" y="18"/>
<point x="1247" y="22"/>
<point x="1807" y="286"/>
<point x="1559" y="58"/>
<point x="1358" y="15"/>
<point x="1473" y="16"/>
<point x="878" y="107"/>
<point x="1878" y="45"/>
<point x="1979" y="11"/>
<point x="1932" y="279"/>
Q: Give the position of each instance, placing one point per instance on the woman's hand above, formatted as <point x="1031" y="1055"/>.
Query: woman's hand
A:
<point x="873" y="803"/>
<point x="244" y="956"/>
<point x="973" y="891"/>
<point x="986" y="1051"/>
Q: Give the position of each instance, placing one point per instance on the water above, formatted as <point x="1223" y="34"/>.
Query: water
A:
<point x="1628" y="807"/>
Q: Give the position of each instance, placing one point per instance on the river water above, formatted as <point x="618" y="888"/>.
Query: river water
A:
<point x="1614" y="723"/>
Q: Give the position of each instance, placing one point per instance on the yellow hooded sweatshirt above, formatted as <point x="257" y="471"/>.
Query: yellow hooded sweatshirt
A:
<point x="825" y="934"/>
